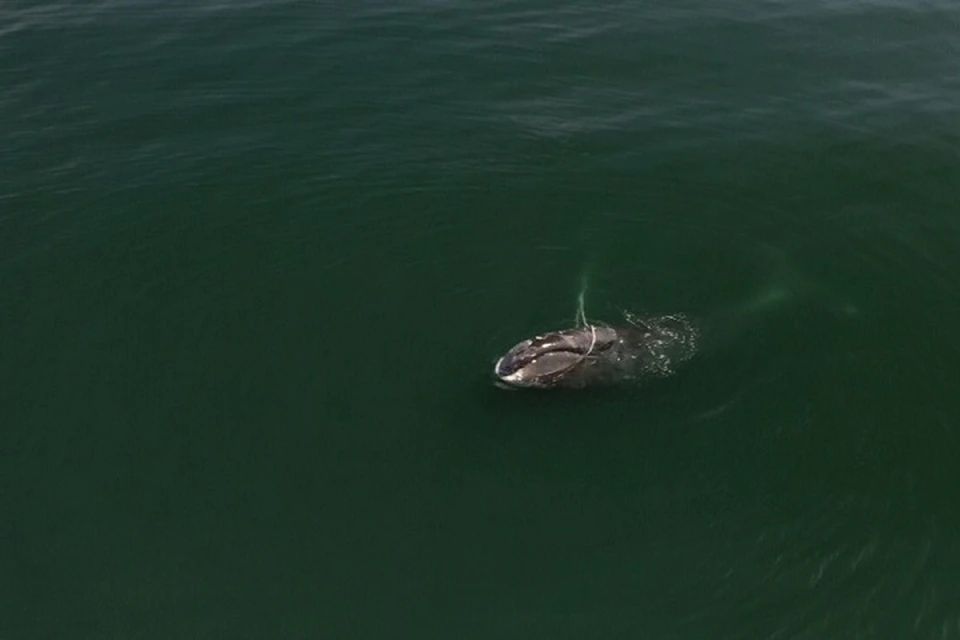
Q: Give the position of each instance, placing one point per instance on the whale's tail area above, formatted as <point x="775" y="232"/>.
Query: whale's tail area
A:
<point x="785" y="284"/>
<point x="785" y="293"/>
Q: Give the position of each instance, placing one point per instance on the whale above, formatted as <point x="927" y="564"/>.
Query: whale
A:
<point x="638" y="347"/>
<point x="600" y="354"/>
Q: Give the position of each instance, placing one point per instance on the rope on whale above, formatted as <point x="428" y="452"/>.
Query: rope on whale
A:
<point x="581" y="318"/>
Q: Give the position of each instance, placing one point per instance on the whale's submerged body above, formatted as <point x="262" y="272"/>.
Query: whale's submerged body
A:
<point x="595" y="355"/>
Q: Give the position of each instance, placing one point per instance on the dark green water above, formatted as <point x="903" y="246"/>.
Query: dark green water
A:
<point x="257" y="260"/>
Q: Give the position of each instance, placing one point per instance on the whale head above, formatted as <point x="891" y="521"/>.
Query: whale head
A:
<point x="550" y="359"/>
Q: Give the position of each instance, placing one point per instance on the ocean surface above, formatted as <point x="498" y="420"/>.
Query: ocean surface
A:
<point x="257" y="259"/>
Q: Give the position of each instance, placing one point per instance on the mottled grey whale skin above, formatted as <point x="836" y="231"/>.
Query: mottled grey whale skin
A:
<point x="600" y="355"/>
